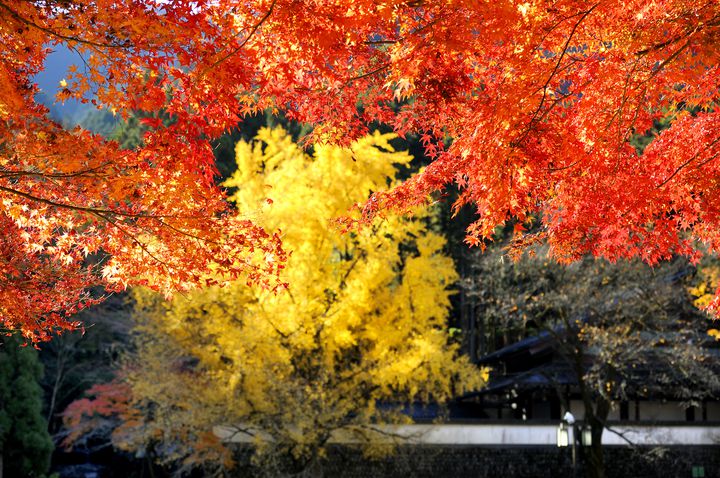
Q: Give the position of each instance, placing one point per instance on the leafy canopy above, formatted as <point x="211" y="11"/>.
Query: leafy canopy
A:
<point x="539" y="98"/>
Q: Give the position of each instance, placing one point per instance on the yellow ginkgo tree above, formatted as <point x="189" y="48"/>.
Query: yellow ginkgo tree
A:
<point x="360" y="332"/>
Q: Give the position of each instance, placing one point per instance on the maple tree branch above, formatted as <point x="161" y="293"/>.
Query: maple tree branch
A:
<point x="559" y="22"/>
<point x="380" y="42"/>
<point x="30" y="23"/>
<point x="700" y="165"/>
<point x="667" y="60"/>
<point x="353" y="79"/>
<point x="715" y="21"/>
<point x="420" y="29"/>
<point x="538" y="119"/>
<point x="563" y="168"/>
<point x="89" y="210"/>
<point x="73" y="207"/>
<point x="660" y="46"/>
<point x="5" y="173"/>
<point x="535" y="119"/>
<point x="693" y="158"/>
<point x="563" y="53"/>
<point x="184" y="233"/>
<point x="134" y="239"/>
<point x="82" y="58"/>
<point x="653" y="74"/>
<point x="624" y="99"/>
<point x="365" y="75"/>
<point x="244" y="42"/>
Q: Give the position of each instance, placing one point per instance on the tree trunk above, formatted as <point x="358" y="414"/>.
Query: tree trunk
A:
<point x="594" y="460"/>
<point x="59" y="371"/>
<point x="595" y="466"/>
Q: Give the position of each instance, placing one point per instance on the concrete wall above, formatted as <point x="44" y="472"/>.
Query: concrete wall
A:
<point x="527" y="434"/>
<point x="523" y="434"/>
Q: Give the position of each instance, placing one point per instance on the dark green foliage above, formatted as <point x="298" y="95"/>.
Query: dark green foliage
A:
<point x="102" y="122"/>
<point x="25" y="443"/>
<point x="130" y="133"/>
<point x="641" y="141"/>
<point x="224" y="146"/>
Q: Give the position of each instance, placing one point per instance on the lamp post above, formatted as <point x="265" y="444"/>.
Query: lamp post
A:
<point x="562" y="435"/>
<point x="586" y="436"/>
<point x="564" y="438"/>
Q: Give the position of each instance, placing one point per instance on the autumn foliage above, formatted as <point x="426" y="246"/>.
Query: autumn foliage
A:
<point x="361" y="332"/>
<point x="104" y="411"/>
<point x="528" y="106"/>
<point x="77" y="211"/>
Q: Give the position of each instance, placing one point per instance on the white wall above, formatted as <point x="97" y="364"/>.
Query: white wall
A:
<point x="511" y="434"/>
<point x="547" y="435"/>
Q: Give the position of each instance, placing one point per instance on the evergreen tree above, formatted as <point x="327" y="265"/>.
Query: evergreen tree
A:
<point x="25" y="444"/>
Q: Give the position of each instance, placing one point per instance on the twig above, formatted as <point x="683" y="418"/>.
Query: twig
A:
<point x="21" y="19"/>
<point x="244" y="42"/>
